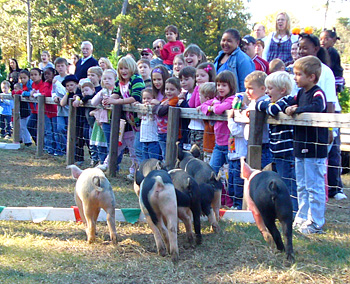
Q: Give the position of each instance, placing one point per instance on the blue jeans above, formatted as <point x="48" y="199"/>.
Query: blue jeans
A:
<point x="235" y="183"/>
<point x="266" y="155"/>
<point x="32" y="125"/>
<point x="162" y="143"/>
<point x="151" y="150"/>
<point x="98" y="153"/>
<point x="138" y="147"/>
<point x="50" y="135"/>
<point x="335" y="184"/>
<point x="310" y="174"/>
<point x="285" y="167"/>
<point x="62" y="122"/>
<point x="5" y="124"/>
<point x="218" y="157"/>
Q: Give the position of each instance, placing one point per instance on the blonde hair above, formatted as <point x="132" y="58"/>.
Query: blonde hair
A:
<point x="108" y="71"/>
<point x="309" y="65"/>
<point x="129" y="63"/>
<point x="257" y="77"/>
<point x="96" y="70"/>
<point x="106" y="61"/>
<point x="208" y="90"/>
<point x="6" y="83"/>
<point x="280" y="80"/>
<point x="287" y="22"/>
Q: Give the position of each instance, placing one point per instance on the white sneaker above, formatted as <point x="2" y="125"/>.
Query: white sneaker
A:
<point x="340" y="196"/>
<point x="130" y="176"/>
<point x="103" y="167"/>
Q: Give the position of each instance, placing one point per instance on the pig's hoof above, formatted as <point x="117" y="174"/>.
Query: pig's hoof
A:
<point x="198" y="239"/>
<point x="162" y="252"/>
<point x="175" y="258"/>
<point x="290" y="257"/>
<point x="216" y="228"/>
<point x="114" y="240"/>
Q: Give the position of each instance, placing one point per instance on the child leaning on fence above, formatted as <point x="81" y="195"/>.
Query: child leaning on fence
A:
<point x="310" y="147"/>
<point x="226" y="88"/>
<point x="279" y="85"/>
<point x="148" y="130"/>
<point x="26" y="84"/>
<point x="6" y="107"/>
<point x="172" y="91"/>
<point x="237" y="148"/>
<point x="255" y="88"/>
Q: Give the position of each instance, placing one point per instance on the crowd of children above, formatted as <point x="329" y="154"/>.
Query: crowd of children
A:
<point x="186" y="80"/>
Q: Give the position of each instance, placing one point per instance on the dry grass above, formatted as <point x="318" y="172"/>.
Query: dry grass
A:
<point x="56" y="252"/>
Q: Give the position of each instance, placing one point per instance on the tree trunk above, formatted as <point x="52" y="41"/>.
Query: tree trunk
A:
<point x="29" y="24"/>
<point x="119" y="32"/>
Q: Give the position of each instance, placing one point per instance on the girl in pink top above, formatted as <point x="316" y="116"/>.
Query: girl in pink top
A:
<point x="226" y="87"/>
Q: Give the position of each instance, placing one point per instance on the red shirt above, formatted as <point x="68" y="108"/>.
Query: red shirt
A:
<point x="171" y="49"/>
<point x="261" y="64"/>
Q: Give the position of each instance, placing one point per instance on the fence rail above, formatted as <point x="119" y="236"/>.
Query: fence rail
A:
<point x="256" y="120"/>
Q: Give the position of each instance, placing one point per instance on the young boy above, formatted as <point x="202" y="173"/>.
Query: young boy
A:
<point x="187" y="76"/>
<point x="310" y="147"/>
<point x="144" y="67"/>
<point x="61" y="65"/>
<point x="6" y="107"/>
<point x="207" y="91"/>
<point x="279" y="85"/>
<point x="255" y="89"/>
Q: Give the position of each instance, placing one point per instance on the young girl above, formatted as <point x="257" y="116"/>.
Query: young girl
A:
<point x="103" y="116"/>
<point x="45" y="61"/>
<point x="194" y="55"/>
<point x="205" y="73"/>
<point x="327" y="39"/>
<point x="37" y="85"/>
<point x="172" y="91"/>
<point x="173" y="47"/>
<point x="127" y="90"/>
<point x="24" y="107"/>
<point x="226" y="88"/>
<point x="50" y="140"/>
<point x="179" y="64"/>
<point x="159" y="75"/>
<point x="148" y="131"/>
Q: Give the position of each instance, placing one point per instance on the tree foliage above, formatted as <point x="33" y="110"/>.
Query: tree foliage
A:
<point x="60" y="26"/>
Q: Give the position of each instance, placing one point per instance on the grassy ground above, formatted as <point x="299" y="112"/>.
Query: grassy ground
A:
<point x="57" y="252"/>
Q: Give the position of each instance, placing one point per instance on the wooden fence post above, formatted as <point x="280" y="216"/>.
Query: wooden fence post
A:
<point x="114" y="139"/>
<point x="16" y="118"/>
<point x="256" y="126"/>
<point x="172" y="136"/>
<point x="40" y="126"/>
<point x="71" y="133"/>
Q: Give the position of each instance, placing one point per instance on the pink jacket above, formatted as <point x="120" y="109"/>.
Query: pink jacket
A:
<point x="101" y="114"/>
<point x="195" y="99"/>
<point x="222" y="133"/>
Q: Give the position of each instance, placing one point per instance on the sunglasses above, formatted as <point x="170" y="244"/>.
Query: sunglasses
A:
<point x="157" y="47"/>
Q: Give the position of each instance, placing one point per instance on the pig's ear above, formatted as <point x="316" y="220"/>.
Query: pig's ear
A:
<point x="246" y="171"/>
<point x="159" y="165"/>
<point x="76" y="172"/>
<point x="212" y="176"/>
<point x="187" y="182"/>
<point x="96" y="181"/>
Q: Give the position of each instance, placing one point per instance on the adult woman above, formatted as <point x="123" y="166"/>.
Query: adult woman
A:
<point x="232" y="58"/>
<point x="279" y="43"/>
<point x="14" y="72"/>
<point x="105" y="64"/>
<point x="75" y="58"/>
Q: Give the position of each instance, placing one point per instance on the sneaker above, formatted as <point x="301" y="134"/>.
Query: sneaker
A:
<point x="340" y="196"/>
<point x="309" y="228"/>
<point x="103" y="167"/>
<point x="28" y="144"/>
<point x="130" y="176"/>
<point x="298" y="223"/>
<point x="79" y="163"/>
<point x="7" y="136"/>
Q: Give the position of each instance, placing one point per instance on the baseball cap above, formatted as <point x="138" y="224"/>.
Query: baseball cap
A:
<point x="249" y="39"/>
<point x="146" y="50"/>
